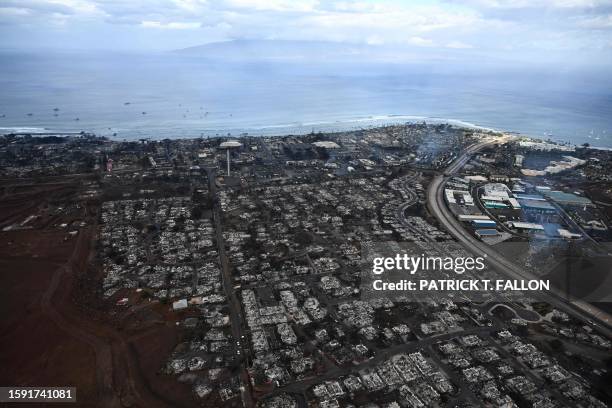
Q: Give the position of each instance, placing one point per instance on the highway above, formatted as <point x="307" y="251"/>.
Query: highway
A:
<point x="437" y="206"/>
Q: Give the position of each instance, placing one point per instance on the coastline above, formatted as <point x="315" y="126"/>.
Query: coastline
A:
<point x="348" y="124"/>
<point x="281" y="130"/>
<point x="298" y="129"/>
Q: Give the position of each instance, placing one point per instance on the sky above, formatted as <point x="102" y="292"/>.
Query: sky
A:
<point x="576" y="29"/>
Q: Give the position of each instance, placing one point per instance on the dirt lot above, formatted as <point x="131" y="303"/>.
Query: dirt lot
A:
<point x="35" y="351"/>
<point x="55" y="330"/>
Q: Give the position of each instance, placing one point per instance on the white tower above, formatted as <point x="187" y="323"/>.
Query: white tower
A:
<point x="230" y="144"/>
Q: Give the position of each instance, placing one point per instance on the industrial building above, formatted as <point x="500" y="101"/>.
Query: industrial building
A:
<point x="471" y="217"/>
<point x="486" y="233"/>
<point x="495" y="204"/>
<point x="563" y="198"/>
<point x="463" y="196"/>
<point x="537" y="205"/>
<point x="525" y="226"/>
<point x="529" y="197"/>
<point x="484" y="223"/>
<point x="498" y="195"/>
<point x="476" y="179"/>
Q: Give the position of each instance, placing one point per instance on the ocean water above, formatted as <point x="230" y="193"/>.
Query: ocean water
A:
<point x="172" y="96"/>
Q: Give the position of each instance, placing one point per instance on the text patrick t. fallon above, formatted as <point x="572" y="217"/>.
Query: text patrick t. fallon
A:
<point x="462" y="285"/>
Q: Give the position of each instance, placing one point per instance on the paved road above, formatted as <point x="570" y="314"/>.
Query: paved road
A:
<point x="238" y="332"/>
<point x="435" y="201"/>
<point x="383" y="355"/>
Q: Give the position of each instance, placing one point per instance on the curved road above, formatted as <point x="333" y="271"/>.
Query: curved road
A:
<point x="437" y="206"/>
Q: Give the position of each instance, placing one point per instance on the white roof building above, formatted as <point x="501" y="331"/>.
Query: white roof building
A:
<point x="327" y="145"/>
<point x="525" y="225"/>
<point x="497" y="190"/>
<point x="179" y="304"/>
<point x="563" y="233"/>
<point x="230" y="144"/>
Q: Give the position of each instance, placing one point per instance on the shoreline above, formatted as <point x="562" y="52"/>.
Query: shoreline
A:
<point x="344" y="125"/>
<point x="295" y="129"/>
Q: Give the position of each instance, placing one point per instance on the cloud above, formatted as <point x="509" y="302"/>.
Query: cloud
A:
<point x="493" y="25"/>
<point x="533" y="4"/>
<point x="458" y="45"/>
<point x="420" y="41"/>
<point x="597" y="23"/>
<point x="191" y="6"/>
<point x="172" y="25"/>
<point x="14" y="12"/>
<point x="273" y="5"/>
